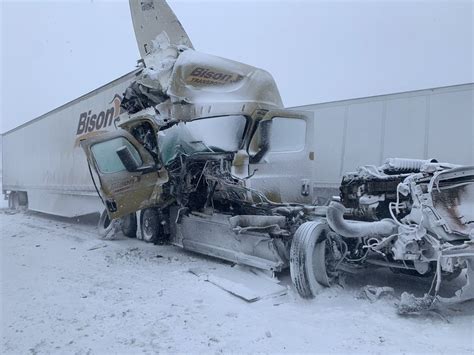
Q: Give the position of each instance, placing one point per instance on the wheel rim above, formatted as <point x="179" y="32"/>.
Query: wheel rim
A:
<point x="147" y="228"/>
<point x="323" y="250"/>
<point x="106" y="222"/>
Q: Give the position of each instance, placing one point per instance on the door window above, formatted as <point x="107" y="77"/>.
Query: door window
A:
<point x="287" y="135"/>
<point x="281" y="134"/>
<point x="106" y="157"/>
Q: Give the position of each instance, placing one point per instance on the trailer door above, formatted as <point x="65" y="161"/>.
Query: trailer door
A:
<point x="126" y="174"/>
<point x="281" y="154"/>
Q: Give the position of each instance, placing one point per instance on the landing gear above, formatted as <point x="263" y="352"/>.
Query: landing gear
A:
<point x="313" y="262"/>
<point x="17" y="199"/>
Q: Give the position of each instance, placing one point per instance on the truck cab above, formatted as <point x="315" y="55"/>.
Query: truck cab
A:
<point x="269" y="149"/>
<point x="204" y="151"/>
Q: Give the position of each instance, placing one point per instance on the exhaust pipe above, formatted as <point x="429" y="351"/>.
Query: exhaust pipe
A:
<point x="357" y="229"/>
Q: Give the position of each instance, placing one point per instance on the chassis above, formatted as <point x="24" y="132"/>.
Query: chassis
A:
<point x="412" y="216"/>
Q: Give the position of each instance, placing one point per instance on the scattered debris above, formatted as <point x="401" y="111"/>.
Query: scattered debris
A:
<point x="241" y="283"/>
<point x="98" y="246"/>
<point x="410" y="304"/>
<point x="373" y="293"/>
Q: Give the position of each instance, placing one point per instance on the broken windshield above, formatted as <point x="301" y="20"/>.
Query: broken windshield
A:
<point x="214" y="134"/>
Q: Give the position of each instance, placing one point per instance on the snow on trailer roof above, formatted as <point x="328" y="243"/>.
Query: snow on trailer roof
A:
<point x="72" y="102"/>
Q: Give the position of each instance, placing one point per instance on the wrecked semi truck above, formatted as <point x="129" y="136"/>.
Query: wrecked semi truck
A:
<point x="205" y="162"/>
<point x="201" y="153"/>
<point x="194" y="153"/>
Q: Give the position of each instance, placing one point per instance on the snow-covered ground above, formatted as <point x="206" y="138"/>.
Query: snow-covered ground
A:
<point x="65" y="291"/>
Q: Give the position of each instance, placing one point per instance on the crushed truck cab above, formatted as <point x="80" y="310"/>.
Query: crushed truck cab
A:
<point x="209" y="156"/>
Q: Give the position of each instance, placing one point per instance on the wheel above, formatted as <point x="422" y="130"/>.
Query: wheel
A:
<point x="325" y="262"/>
<point x="312" y="262"/>
<point x="106" y="227"/>
<point x="150" y="225"/>
<point x="129" y="225"/>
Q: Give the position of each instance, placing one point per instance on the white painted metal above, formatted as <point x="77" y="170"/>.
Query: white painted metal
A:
<point x="151" y="18"/>
<point x="434" y="123"/>
<point x="42" y="158"/>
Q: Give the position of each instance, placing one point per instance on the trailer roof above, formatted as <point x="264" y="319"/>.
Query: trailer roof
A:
<point x="396" y="95"/>
<point x="70" y="103"/>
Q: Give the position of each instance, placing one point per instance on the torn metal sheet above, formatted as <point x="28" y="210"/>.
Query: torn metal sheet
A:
<point x="151" y="18"/>
<point x="241" y="283"/>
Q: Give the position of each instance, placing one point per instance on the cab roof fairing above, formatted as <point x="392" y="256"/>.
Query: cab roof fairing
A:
<point x="203" y="78"/>
<point x="183" y="84"/>
<point x="203" y="85"/>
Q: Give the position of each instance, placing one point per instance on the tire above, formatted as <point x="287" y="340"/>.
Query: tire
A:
<point x="129" y="225"/>
<point x="105" y="226"/>
<point x="150" y="225"/>
<point x="308" y="259"/>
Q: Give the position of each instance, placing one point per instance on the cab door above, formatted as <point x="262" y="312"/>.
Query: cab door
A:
<point x="281" y="157"/>
<point x="128" y="178"/>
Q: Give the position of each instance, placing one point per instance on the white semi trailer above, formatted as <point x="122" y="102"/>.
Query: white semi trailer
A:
<point x="434" y="123"/>
<point x="44" y="168"/>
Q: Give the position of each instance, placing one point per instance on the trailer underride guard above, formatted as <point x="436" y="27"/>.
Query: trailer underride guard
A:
<point x="193" y="153"/>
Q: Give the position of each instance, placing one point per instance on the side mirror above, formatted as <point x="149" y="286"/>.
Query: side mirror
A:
<point x="127" y="159"/>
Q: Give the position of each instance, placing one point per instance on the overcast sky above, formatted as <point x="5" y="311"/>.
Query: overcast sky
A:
<point x="318" y="51"/>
